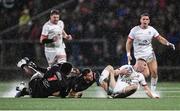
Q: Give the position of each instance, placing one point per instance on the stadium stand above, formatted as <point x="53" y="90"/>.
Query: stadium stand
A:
<point x="101" y="26"/>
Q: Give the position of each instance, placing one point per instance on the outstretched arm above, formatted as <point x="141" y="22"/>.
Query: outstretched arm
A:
<point x="149" y="93"/>
<point x="128" y="49"/>
<point x="163" y="41"/>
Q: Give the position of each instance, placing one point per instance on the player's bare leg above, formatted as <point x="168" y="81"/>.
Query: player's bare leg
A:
<point x="112" y="82"/>
<point x="29" y="71"/>
<point x="103" y="80"/>
<point x="23" y="63"/>
<point x="146" y="72"/>
<point x="60" y="58"/>
<point x="153" y="71"/>
<point x="127" y="91"/>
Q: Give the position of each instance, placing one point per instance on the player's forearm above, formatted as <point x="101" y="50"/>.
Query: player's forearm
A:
<point x="46" y="41"/>
<point x="43" y="70"/>
<point x="162" y="40"/>
<point x="64" y="34"/>
<point x="128" y="45"/>
<point x="148" y="91"/>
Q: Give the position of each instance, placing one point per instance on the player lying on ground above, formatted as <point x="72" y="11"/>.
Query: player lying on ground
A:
<point x="129" y="78"/>
<point x="58" y="79"/>
<point x="43" y="82"/>
<point x="83" y="81"/>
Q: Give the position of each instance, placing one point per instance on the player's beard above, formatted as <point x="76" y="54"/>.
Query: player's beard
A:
<point x="54" y="21"/>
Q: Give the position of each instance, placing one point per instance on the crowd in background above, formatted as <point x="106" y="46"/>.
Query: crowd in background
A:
<point x="96" y="19"/>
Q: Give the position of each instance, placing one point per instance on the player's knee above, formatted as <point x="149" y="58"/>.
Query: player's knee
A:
<point x="109" y="68"/>
<point x="154" y="74"/>
<point x="103" y="76"/>
<point x="146" y="75"/>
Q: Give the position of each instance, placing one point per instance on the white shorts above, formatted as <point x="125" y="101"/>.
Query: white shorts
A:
<point x="119" y="87"/>
<point x="55" y="55"/>
<point x="146" y="57"/>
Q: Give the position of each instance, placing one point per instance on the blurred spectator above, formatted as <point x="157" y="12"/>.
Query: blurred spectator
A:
<point x="89" y="19"/>
<point x="24" y="23"/>
<point x="35" y="31"/>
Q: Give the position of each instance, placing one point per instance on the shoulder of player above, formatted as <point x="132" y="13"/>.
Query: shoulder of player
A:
<point x="47" y="23"/>
<point x="151" y="27"/>
<point x="135" y="28"/>
<point x="60" y="22"/>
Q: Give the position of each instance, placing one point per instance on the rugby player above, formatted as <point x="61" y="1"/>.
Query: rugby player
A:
<point x="70" y="81"/>
<point x="52" y="37"/>
<point x="141" y="37"/>
<point x="129" y="78"/>
<point x="45" y="82"/>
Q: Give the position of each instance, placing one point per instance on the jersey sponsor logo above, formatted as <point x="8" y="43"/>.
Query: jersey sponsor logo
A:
<point x="144" y="42"/>
<point x="46" y="83"/>
<point x="149" y="32"/>
<point x="126" y="79"/>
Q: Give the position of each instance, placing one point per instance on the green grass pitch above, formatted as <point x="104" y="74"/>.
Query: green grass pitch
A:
<point x="170" y="100"/>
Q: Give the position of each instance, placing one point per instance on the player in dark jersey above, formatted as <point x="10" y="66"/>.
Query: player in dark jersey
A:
<point x="45" y="82"/>
<point x="83" y="81"/>
<point x="59" y="80"/>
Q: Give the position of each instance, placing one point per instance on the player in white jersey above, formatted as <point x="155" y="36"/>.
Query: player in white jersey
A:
<point x="52" y="37"/>
<point x="141" y="37"/>
<point x="128" y="81"/>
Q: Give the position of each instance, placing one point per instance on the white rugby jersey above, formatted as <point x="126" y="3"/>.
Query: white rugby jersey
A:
<point x="51" y="30"/>
<point x="134" y="78"/>
<point x="142" y="39"/>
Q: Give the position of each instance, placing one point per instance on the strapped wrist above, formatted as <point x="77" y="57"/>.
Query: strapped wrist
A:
<point x="128" y="54"/>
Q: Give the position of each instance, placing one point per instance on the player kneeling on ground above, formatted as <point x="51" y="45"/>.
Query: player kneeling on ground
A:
<point x="129" y="78"/>
<point x="43" y="82"/>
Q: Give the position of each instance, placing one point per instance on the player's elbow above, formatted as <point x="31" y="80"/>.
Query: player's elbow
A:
<point x="42" y="38"/>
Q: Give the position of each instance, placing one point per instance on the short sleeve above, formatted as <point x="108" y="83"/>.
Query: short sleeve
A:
<point x="131" y="34"/>
<point x="155" y="33"/>
<point x="61" y="23"/>
<point x="45" y="30"/>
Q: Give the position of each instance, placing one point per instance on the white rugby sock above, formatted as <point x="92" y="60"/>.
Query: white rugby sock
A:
<point x="153" y="83"/>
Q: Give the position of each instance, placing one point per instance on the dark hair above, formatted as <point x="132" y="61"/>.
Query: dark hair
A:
<point x="85" y="71"/>
<point x="144" y="14"/>
<point x="65" y="68"/>
<point x="54" y="12"/>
